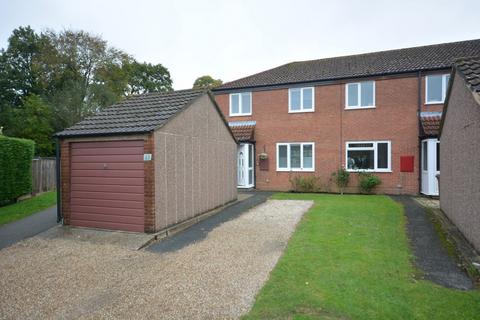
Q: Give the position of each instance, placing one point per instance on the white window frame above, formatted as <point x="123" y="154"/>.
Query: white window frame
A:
<point x="302" y="109"/>
<point x="240" y="113"/>
<point x="301" y="169"/>
<point x="359" y="96"/>
<point x="375" y="155"/>
<point x="444" y="88"/>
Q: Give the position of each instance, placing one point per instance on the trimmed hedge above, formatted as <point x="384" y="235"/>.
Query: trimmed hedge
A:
<point x="15" y="168"/>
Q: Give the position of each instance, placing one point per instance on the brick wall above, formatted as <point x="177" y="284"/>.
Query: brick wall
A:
<point x="330" y="126"/>
<point x="149" y="167"/>
<point x="65" y="180"/>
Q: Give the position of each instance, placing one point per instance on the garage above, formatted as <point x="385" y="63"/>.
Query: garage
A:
<point x="147" y="163"/>
<point x="107" y="185"/>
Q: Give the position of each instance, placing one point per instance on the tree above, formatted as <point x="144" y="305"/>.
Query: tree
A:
<point x="66" y="76"/>
<point x="146" y="77"/>
<point x="35" y="119"/>
<point x="206" y="82"/>
<point x="77" y="87"/>
<point x="18" y="76"/>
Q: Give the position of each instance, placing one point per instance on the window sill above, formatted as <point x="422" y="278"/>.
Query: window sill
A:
<point x="301" y="111"/>
<point x="240" y="115"/>
<point x="295" y="170"/>
<point x="360" y="108"/>
<point x="434" y="102"/>
<point x="369" y="170"/>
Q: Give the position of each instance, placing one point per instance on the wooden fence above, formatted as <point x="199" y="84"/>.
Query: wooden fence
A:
<point x="43" y="175"/>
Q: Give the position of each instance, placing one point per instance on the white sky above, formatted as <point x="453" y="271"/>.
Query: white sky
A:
<point x="233" y="39"/>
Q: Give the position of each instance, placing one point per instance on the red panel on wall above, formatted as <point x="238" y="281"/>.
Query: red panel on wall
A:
<point x="406" y="163"/>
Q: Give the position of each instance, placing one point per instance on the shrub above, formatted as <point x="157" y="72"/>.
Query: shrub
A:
<point x="368" y="181"/>
<point x="15" y="168"/>
<point x="341" y="177"/>
<point x="305" y="184"/>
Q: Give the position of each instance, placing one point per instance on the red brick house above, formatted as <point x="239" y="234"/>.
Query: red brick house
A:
<point x="376" y="112"/>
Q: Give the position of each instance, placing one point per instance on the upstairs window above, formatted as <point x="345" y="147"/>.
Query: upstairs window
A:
<point x="297" y="156"/>
<point x="301" y="100"/>
<point x="368" y="156"/>
<point x="436" y="88"/>
<point x="241" y="104"/>
<point x="360" y="95"/>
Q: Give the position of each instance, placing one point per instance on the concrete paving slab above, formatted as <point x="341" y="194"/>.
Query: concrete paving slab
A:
<point x="430" y="255"/>
<point x="128" y="240"/>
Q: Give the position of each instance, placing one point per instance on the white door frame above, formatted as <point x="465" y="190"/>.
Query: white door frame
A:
<point x="429" y="181"/>
<point x="245" y="165"/>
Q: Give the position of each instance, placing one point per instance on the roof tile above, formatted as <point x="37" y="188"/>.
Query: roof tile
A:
<point x="137" y="114"/>
<point x="431" y="57"/>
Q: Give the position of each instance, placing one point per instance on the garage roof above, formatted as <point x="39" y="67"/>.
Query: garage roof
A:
<point x="138" y="114"/>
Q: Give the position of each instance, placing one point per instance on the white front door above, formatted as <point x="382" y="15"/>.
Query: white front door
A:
<point x="245" y="167"/>
<point x="430" y="166"/>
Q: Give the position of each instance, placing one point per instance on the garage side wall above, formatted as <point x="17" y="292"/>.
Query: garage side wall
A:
<point x="195" y="164"/>
<point x="459" y="158"/>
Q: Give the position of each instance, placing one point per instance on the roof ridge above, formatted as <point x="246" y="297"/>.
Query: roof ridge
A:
<point x="393" y="61"/>
<point x="388" y="50"/>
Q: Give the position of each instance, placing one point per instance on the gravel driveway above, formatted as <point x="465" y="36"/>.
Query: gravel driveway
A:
<point x="217" y="277"/>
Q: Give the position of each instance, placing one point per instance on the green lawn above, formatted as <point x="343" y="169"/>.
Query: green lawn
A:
<point x="27" y="207"/>
<point x="350" y="259"/>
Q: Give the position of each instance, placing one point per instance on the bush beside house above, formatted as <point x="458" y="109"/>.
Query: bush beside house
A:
<point x="16" y="168"/>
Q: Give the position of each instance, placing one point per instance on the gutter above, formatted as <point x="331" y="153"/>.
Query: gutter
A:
<point x="266" y="87"/>
<point x="57" y="163"/>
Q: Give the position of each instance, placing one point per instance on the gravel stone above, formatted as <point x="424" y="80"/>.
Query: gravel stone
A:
<point x="216" y="278"/>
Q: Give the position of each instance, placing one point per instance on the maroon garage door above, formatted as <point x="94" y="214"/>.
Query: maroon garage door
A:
<point x="107" y="185"/>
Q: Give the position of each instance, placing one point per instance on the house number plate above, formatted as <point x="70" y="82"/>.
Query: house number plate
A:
<point x="147" y="156"/>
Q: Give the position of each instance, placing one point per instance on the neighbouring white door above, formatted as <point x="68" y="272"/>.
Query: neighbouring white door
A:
<point x="430" y="166"/>
<point x="245" y="165"/>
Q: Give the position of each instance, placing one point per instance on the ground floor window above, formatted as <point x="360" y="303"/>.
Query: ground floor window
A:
<point x="368" y="156"/>
<point x="296" y="156"/>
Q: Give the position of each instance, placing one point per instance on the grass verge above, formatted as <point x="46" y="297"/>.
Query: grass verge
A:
<point x="27" y="207"/>
<point x="350" y="259"/>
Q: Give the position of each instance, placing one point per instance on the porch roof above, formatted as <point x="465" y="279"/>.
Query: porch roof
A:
<point x="243" y="131"/>
<point x="430" y="123"/>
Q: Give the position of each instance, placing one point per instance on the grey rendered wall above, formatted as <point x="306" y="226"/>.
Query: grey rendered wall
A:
<point x="459" y="162"/>
<point x="195" y="164"/>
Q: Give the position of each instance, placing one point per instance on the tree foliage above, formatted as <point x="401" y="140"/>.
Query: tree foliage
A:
<point x="52" y="80"/>
<point x="206" y="82"/>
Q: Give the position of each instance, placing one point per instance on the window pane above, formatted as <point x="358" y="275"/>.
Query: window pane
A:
<point x="308" y="156"/>
<point x="360" y="159"/>
<point x="425" y="155"/>
<point x="235" y="103"/>
<point x="352" y="92"/>
<point x="438" y="156"/>
<point x="308" y="98"/>
<point x="295" y="99"/>
<point x="282" y="156"/>
<point x="382" y="155"/>
<point x="295" y="161"/>
<point x="246" y="103"/>
<point x="434" y="88"/>
<point x="367" y="93"/>
<point x="250" y="176"/>
<point x="250" y="155"/>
